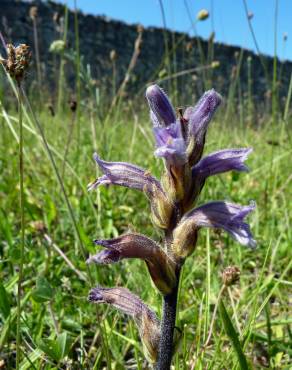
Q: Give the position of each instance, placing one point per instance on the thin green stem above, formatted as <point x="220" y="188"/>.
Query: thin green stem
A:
<point x="165" y="36"/>
<point x="78" y="82"/>
<point x="22" y="226"/>
<point x="274" y="90"/>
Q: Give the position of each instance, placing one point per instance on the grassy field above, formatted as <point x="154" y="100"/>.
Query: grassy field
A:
<point x="60" y="329"/>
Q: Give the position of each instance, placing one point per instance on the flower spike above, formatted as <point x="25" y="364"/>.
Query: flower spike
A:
<point x="130" y="304"/>
<point x="160" y="266"/>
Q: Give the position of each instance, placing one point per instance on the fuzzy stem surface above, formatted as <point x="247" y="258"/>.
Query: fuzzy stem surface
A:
<point x="167" y="329"/>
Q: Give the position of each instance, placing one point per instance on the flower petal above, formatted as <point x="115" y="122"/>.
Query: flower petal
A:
<point x="123" y="174"/>
<point x="134" y="177"/>
<point x="170" y="144"/>
<point x="161" y="109"/>
<point x="222" y="161"/>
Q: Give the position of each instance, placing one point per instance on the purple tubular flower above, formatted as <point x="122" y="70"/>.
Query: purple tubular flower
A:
<point x="220" y="162"/>
<point x="120" y="298"/>
<point x="134" y="177"/>
<point x="123" y="174"/>
<point x="170" y="144"/>
<point x="198" y="119"/>
<point x="160" y="266"/>
<point x="224" y="215"/>
<point x="130" y="304"/>
<point x="161" y="109"/>
<point x="200" y="116"/>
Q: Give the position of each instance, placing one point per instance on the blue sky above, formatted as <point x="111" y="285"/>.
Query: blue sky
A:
<point x="228" y="19"/>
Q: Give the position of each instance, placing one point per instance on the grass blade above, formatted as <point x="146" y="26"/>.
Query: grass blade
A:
<point x="231" y="332"/>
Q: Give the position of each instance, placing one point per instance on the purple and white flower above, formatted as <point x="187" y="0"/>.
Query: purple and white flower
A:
<point x="223" y="215"/>
<point x="123" y="174"/>
<point x="160" y="266"/>
<point x="221" y="161"/>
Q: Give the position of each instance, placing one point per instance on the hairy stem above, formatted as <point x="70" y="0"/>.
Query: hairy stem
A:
<point x="167" y="329"/>
<point x="22" y="241"/>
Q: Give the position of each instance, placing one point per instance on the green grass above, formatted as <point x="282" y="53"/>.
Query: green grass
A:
<point x="60" y="329"/>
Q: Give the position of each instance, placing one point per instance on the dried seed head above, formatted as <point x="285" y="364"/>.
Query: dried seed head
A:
<point x="202" y="15"/>
<point x="57" y="46"/>
<point x="17" y="62"/>
<point x="189" y="46"/>
<point x="73" y="104"/>
<point x="230" y="275"/>
<point x="38" y="226"/>
<point x="113" y="55"/>
<point x="56" y="17"/>
<point x="33" y="12"/>
<point x="215" y="64"/>
<point x="140" y="28"/>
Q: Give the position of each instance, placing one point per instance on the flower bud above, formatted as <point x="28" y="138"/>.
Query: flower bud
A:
<point x="198" y="119"/>
<point x="162" y="112"/>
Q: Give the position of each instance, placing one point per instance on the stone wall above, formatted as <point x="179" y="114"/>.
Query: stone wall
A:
<point x="100" y="35"/>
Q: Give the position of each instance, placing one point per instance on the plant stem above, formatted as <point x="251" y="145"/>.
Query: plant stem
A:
<point x="167" y="329"/>
<point x="21" y="262"/>
<point x="37" y="57"/>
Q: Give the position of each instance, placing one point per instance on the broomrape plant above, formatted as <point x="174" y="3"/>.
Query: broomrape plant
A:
<point x="180" y="142"/>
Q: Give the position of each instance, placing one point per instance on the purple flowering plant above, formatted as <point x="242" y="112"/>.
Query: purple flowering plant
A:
<point x="180" y="143"/>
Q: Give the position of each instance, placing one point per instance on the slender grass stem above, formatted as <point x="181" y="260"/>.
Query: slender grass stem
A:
<point x="274" y="85"/>
<point x="78" y="81"/>
<point x="22" y="226"/>
<point x="165" y="36"/>
<point x="37" y="56"/>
